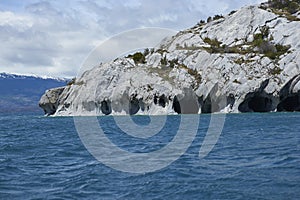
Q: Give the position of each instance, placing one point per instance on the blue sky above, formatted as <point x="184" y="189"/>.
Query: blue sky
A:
<point x="54" y="37"/>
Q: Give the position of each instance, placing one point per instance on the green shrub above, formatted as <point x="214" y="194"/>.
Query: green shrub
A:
<point x="281" y="49"/>
<point x="239" y="61"/>
<point x="213" y="42"/>
<point x="216" y="17"/>
<point x="173" y="62"/>
<point x="293" y="7"/>
<point x="192" y="72"/>
<point x="138" y="57"/>
<point x="233" y="49"/>
<point x="164" y="61"/>
<point x="275" y="71"/>
<point x="146" y="52"/>
<point x="284" y="8"/>
<point x="196" y="75"/>
<point x="201" y="22"/>
<point x="271" y="55"/>
<point x="290" y="6"/>
<point x="265" y="30"/>
<point x="232" y="12"/>
<point x="161" y="51"/>
<point x="266" y="47"/>
<point x="273" y="51"/>
<point x="209" y="19"/>
<point x="236" y="81"/>
<point x="263" y="43"/>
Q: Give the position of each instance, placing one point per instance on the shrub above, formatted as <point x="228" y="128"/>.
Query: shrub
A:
<point x="278" y="4"/>
<point x="195" y="74"/>
<point x="284" y="8"/>
<point x="161" y="51"/>
<point x="263" y="43"/>
<point x="232" y="12"/>
<point x="266" y="47"/>
<point x="258" y="36"/>
<point x="275" y="71"/>
<point x="71" y="82"/>
<point x="216" y="17"/>
<point x="293" y="7"/>
<point x="146" y="52"/>
<point x="281" y="49"/>
<point x="173" y="62"/>
<point x="201" y="22"/>
<point x="236" y="81"/>
<point x="138" y="57"/>
<point x="164" y="61"/>
<point x="233" y="49"/>
<point x="213" y="42"/>
<point x="265" y="30"/>
<point x="209" y="19"/>
<point x="239" y="61"/>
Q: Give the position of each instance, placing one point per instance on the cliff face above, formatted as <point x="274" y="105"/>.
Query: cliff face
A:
<point x="247" y="61"/>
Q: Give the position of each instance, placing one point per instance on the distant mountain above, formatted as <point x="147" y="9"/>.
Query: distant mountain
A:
<point x="20" y="93"/>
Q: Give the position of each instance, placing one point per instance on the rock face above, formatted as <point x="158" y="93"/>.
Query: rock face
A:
<point x="259" y="100"/>
<point x="289" y="97"/>
<point x="247" y="61"/>
<point x="50" y="100"/>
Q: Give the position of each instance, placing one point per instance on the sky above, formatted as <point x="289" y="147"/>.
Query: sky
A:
<point x="54" y="37"/>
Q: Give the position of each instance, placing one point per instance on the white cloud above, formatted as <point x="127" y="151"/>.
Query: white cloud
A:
<point x="163" y="18"/>
<point x="10" y="19"/>
<point x="54" y="37"/>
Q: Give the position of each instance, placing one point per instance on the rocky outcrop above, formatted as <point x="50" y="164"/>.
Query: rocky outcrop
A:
<point x="247" y="61"/>
<point x="50" y="100"/>
<point x="259" y="100"/>
<point x="289" y="97"/>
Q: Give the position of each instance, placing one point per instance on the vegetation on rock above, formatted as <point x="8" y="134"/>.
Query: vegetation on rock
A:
<point x="285" y="8"/>
<point x="138" y="58"/>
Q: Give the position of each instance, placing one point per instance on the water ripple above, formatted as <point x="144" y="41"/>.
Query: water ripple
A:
<point x="256" y="157"/>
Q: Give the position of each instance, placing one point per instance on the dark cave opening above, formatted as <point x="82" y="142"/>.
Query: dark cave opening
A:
<point x="134" y="106"/>
<point x="106" y="107"/>
<point x="290" y="103"/>
<point x="258" y="102"/>
<point x="176" y="105"/>
<point x="206" y="106"/>
<point x="162" y="100"/>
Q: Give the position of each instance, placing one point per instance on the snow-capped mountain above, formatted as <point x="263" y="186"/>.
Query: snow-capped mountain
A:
<point x="5" y="75"/>
<point x="22" y="92"/>
<point x="246" y="61"/>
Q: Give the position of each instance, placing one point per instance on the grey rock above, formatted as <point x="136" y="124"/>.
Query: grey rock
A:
<point x="49" y="101"/>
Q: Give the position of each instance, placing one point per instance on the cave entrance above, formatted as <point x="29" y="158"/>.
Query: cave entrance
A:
<point x="261" y="102"/>
<point x="290" y="104"/>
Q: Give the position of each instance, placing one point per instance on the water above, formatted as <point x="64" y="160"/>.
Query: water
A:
<point x="256" y="157"/>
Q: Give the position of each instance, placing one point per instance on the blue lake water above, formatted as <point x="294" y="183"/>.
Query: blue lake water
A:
<point x="256" y="157"/>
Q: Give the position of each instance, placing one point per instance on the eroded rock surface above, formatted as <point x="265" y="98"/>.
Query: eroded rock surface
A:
<point x="50" y="100"/>
<point x="247" y="61"/>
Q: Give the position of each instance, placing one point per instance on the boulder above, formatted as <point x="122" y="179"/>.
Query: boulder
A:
<point x="49" y="101"/>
